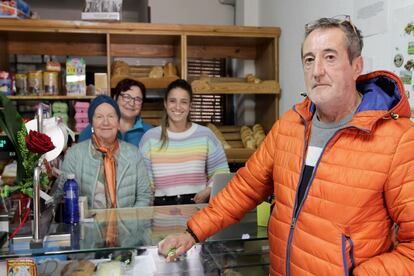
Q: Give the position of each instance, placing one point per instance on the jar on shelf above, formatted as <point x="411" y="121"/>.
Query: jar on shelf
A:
<point x="35" y="82"/>
<point x="21" y="84"/>
<point x="50" y="83"/>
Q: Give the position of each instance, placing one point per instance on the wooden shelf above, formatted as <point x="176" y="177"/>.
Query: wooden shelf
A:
<point x="38" y="98"/>
<point x="175" y="43"/>
<point x="238" y="155"/>
<point x="150" y="83"/>
<point x="220" y="86"/>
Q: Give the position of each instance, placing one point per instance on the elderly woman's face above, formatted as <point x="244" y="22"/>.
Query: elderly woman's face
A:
<point x="105" y="123"/>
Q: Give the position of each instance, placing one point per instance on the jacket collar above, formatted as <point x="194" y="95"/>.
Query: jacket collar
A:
<point x="383" y="98"/>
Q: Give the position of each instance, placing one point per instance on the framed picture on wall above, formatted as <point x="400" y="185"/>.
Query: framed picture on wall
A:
<point x="102" y="10"/>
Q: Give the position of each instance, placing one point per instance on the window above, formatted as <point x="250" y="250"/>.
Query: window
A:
<point x="207" y="108"/>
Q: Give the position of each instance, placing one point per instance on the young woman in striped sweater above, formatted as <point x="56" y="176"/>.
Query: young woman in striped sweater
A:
<point x="181" y="156"/>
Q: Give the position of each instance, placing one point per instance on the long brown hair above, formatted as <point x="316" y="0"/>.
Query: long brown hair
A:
<point x="180" y="83"/>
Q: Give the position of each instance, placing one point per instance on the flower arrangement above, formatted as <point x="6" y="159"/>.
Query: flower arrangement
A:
<point x="30" y="149"/>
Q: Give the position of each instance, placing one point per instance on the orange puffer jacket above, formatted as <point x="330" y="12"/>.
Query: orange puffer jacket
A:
<point x="362" y="185"/>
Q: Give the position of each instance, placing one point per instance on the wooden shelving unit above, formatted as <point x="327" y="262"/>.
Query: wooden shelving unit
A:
<point x="178" y="43"/>
<point x="52" y="98"/>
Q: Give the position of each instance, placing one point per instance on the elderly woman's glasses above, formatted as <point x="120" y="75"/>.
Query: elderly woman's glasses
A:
<point x="128" y="98"/>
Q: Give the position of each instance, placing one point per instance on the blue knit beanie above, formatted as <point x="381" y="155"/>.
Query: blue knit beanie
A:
<point x="100" y="100"/>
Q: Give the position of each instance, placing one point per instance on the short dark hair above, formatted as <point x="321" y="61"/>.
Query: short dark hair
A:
<point x="352" y="33"/>
<point x="125" y="85"/>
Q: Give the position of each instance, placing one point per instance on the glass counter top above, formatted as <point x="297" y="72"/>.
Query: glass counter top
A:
<point x="128" y="229"/>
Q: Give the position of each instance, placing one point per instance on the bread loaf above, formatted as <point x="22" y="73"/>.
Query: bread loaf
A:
<point x="170" y="69"/>
<point x="120" y="68"/>
<point x="258" y="134"/>
<point x="247" y="137"/>
<point x="219" y="135"/>
<point x="250" y="78"/>
<point x="156" y="72"/>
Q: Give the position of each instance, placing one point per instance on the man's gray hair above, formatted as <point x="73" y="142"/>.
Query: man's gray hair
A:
<point x="352" y="33"/>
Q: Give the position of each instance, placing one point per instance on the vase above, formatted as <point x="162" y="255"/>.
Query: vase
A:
<point x="19" y="214"/>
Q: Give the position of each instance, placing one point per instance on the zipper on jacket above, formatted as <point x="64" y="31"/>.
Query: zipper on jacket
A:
<point x="294" y="215"/>
<point x="347" y="240"/>
<point x="298" y="205"/>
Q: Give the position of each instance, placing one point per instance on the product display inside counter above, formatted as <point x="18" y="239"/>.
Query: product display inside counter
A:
<point x="242" y="246"/>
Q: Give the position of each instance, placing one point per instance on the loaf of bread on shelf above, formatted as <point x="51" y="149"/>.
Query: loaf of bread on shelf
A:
<point x="258" y="134"/>
<point x="219" y="135"/>
<point x="250" y="78"/>
<point x="246" y="135"/>
<point x="156" y="72"/>
<point x="170" y="69"/>
<point x="120" y="68"/>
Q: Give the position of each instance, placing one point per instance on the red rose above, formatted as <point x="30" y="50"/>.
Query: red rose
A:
<point x="39" y="142"/>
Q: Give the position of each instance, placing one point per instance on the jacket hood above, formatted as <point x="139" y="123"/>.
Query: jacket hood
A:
<point x="383" y="97"/>
<point x="383" y="90"/>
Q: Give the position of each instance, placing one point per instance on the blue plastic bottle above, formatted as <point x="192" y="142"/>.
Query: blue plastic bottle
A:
<point x="71" y="196"/>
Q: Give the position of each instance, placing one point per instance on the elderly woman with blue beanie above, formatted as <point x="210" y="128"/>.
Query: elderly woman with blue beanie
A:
<point x="130" y="95"/>
<point x="110" y="172"/>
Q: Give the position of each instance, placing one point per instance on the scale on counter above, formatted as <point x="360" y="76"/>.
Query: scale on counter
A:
<point x="7" y="151"/>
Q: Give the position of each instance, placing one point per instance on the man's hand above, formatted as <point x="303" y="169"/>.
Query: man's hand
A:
<point x="201" y="197"/>
<point x="175" y="245"/>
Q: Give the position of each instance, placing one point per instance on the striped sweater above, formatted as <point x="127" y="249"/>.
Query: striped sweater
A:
<point x="186" y="164"/>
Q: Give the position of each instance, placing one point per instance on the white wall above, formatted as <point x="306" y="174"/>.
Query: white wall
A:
<point x="191" y="12"/>
<point x="291" y="16"/>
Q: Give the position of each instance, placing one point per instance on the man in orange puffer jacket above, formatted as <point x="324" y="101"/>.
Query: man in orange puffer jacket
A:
<point x="340" y="165"/>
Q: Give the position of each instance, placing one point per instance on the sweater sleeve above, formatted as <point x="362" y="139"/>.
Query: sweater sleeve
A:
<point x="249" y="186"/>
<point x="399" y="198"/>
<point x="216" y="159"/>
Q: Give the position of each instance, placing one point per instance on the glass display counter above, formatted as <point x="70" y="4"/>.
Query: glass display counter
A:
<point x="108" y="234"/>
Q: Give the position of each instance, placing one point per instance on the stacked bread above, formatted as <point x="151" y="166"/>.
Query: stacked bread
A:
<point x="252" y="137"/>
<point x="219" y="135"/>
<point x="258" y="134"/>
<point x="247" y="137"/>
<point x="167" y="70"/>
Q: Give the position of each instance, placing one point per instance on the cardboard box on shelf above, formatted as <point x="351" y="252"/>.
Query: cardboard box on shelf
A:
<point x="75" y="76"/>
<point x="101" y="83"/>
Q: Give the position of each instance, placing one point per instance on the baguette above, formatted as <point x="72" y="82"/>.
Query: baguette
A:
<point x="258" y="134"/>
<point x="247" y="137"/>
<point x="219" y="135"/>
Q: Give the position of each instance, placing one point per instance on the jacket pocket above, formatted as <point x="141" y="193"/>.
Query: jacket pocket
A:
<point x="348" y="254"/>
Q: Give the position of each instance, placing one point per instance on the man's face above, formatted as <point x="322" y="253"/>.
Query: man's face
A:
<point x="329" y="77"/>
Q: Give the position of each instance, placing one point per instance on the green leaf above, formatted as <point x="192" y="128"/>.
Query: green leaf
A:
<point x="11" y="122"/>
